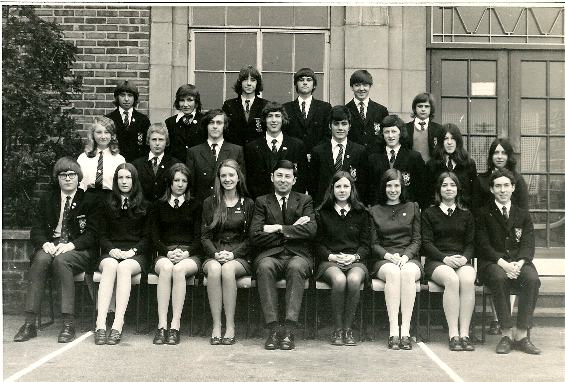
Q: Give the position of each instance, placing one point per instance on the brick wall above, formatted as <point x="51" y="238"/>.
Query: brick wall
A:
<point x="16" y="250"/>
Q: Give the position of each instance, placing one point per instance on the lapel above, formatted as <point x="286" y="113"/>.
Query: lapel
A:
<point x="283" y="154"/>
<point x="371" y="111"/>
<point x="328" y="155"/>
<point x="312" y="111"/>
<point x="148" y="167"/>
<point x="163" y="166"/>
<point x="224" y="152"/>
<point x="256" y="108"/>
<point x="206" y="154"/>
<point x="275" y="209"/>
<point x="77" y="201"/>
<point x="495" y="212"/>
<point x="116" y="116"/>
<point x="298" y="112"/>
<point x="401" y="158"/>
<point x="238" y="108"/>
<point x="54" y="208"/>
<point x="347" y="156"/>
<point x="292" y="205"/>
<point x="355" y="113"/>
<point x="512" y="217"/>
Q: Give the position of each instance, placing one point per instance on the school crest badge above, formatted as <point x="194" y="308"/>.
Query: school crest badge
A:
<point x="435" y="141"/>
<point x="81" y="223"/>
<point x="353" y="172"/>
<point x="406" y="178"/>
<point x="376" y="128"/>
<point x="308" y="157"/>
<point x="140" y="139"/>
<point x="258" y="127"/>
<point x="518" y="234"/>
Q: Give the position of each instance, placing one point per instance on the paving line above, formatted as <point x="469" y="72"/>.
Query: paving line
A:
<point x="443" y="366"/>
<point x="48" y="357"/>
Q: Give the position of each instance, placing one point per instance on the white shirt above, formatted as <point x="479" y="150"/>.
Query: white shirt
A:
<point x="507" y="205"/>
<point x="365" y="103"/>
<point x="130" y="112"/>
<point x="159" y="158"/>
<point x="396" y="150"/>
<point x="180" y="115"/>
<point x="308" y="102"/>
<point x="90" y="165"/>
<point x="172" y="200"/>
<point x="417" y="125"/>
<point x="57" y="232"/>
<point x="452" y="163"/>
<point x="123" y="198"/>
<point x="335" y="148"/>
<point x="218" y="147"/>
<point x="279" y="199"/>
<point x="347" y="208"/>
<point x="278" y="138"/>
<point x="251" y="100"/>
<point x="444" y="208"/>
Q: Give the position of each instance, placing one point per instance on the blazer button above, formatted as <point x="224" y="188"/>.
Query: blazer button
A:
<point x="204" y="173"/>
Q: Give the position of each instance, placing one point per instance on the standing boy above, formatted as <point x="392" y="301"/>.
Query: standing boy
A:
<point x="423" y="134"/>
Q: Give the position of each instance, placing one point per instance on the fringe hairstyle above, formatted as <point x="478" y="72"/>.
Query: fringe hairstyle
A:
<point x="439" y="182"/>
<point x="329" y="197"/>
<point x="137" y="205"/>
<point x="91" y="146"/>
<point x="177" y="167"/>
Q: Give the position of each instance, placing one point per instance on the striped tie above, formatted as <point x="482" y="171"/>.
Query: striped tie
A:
<point x="339" y="159"/>
<point x="99" y="172"/>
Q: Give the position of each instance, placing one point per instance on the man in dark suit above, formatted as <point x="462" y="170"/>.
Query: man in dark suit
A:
<point x="62" y="237"/>
<point x="152" y="169"/>
<point x="263" y="153"/>
<point x="366" y="115"/>
<point x="244" y="112"/>
<point x="423" y="134"/>
<point x="339" y="153"/>
<point x="131" y="125"/>
<point x="506" y="246"/>
<point x="282" y="228"/>
<point x="203" y="160"/>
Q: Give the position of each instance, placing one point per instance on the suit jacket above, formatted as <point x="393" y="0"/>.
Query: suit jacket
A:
<point x="203" y="168"/>
<point x="434" y="135"/>
<point x="240" y="131"/>
<point x="367" y="134"/>
<point x="132" y="141"/>
<point x="312" y="130"/>
<point x="183" y="137"/>
<point x="409" y="163"/>
<point x="323" y="169"/>
<point x="154" y="185"/>
<point x="260" y="161"/>
<point x="482" y="194"/>
<point x="496" y="238"/>
<point x="80" y="219"/>
<point x="296" y="239"/>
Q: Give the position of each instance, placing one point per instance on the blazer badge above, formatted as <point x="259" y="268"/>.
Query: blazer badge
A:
<point x="81" y="223"/>
<point x="435" y="141"/>
<point x="140" y="139"/>
<point x="518" y="233"/>
<point x="353" y="172"/>
<point x="406" y="178"/>
<point x="308" y="157"/>
<point x="258" y="127"/>
<point x="376" y="128"/>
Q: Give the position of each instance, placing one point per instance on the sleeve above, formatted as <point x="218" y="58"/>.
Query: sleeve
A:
<point x="322" y="251"/>
<point x="257" y="237"/>
<point x="482" y="238"/>
<point x="39" y="227"/>
<point x="191" y="165"/>
<point x="302" y="231"/>
<point x="301" y="167"/>
<point x="155" y="223"/>
<point x="314" y="172"/>
<point x="362" y="181"/>
<point x="419" y="173"/>
<point x="241" y="158"/>
<point x="195" y="248"/>
<point x="143" y="245"/>
<point x="376" y="239"/>
<point x="469" y="249"/>
<point x="527" y="241"/>
<point x="102" y="229"/>
<point x="430" y="250"/>
<point x="522" y="193"/>
<point x="365" y="238"/>
<point x="242" y="248"/>
<point x="413" y="249"/>
<point x="208" y="246"/>
<point x="86" y="177"/>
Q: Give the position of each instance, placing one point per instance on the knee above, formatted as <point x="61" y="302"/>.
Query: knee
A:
<point x="452" y="282"/>
<point x="213" y="269"/>
<point x="265" y="268"/>
<point x="296" y="270"/>
<point x="392" y="275"/>
<point x="109" y="265"/>
<point x="228" y="271"/>
<point x="354" y="280"/>
<point x="467" y="279"/>
<point x="41" y="260"/>
<point x="166" y="267"/>
<point x="409" y="274"/>
<point x="339" y="282"/>
<point x="531" y="279"/>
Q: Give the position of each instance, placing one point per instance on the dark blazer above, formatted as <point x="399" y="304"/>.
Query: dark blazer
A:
<point x="367" y="134"/>
<point x="496" y="238"/>
<point x="409" y="163"/>
<point x="482" y="194"/>
<point x="123" y="229"/>
<point x="132" y="141"/>
<point x="154" y="185"/>
<point x="203" y="168"/>
<point x="240" y="131"/>
<point x="80" y="219"/>
<point x="296" y="239"/>
<point x="183" y="137"/>
<point x="434" y="135"/>
<point x="260" y="160"/>
<point x="467" y="176"/>
<point x="312" y="130"/>
<point x="323" y="169"/>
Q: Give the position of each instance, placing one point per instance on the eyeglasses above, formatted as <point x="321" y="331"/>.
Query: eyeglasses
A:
<point x="64" y="175"/>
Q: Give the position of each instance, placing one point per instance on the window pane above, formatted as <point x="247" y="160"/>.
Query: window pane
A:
<point x="454" y="111"/>
<point x="483" y="116"/>
<point x="309" y="51"/>
<point x="210" y="86"/>
<point x="540" y="226"/>
<point x="557" y="79"/>
<point x="454" y="78"/>
<point x="320" y="87"/>
<point x="208" y="16"/>
<point x="241" y="50"/>
<point x="557" y="156"/>
<point x="277" y="16"/>
<point x="556" y="187"/>
<point x="536" y="191"/>
<point x="557" y="233"/>
<point x="533" y="154"/>
<point x="477" y="150"/>
<point x="533" y="116"/>
<point x="277" y="51"/>
<point x="243" y="16"/>
<point x="557" y="116"/>
<point x="278" y="87"/>
<point x="311" y="16"/>
<point x="533" y="79"/>
<point x="230" y="82"/>
<point x="209" y="51"/>
<point x="483" y="78"/>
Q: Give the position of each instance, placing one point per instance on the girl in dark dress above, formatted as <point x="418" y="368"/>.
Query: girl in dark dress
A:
<point x="396" y="248"/>
<point x="448" y="232"/>
<point x="226" y="217"/>
<point x="175" y="232"/>
<point x="343" y="240"/>
<point x="122" y="232"/>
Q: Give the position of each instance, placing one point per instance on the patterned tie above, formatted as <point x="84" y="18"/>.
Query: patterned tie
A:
<point x="64" y="223"/>
<point x="125" y="205"/>
<point x="176" y="203"/>
<point x="339" y="159"/>
<point x="342" y="212"/>
<point x="362" y="111"/>
<point x="283" y="208"/>
<point x="505" y="212"/>
<point x="155" y="166"/>
<point x="99" y="171"/>
<point x="187" y="119"/>
<point x="304" y="109"/>
<point x="392" y="158"/>
<point x="126" y="119"/>
<point x="213" y="151"/>
<point x="422" y="124"/>
<point x="247" y="102"/>
<point x="449" y="164"/>
<point x="274" y="146"/>
<point x="450" y="211"/>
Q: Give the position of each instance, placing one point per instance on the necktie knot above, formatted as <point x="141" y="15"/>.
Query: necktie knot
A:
<point x="125" y="204"/>
<point x="187" y="119"/>
<point x="274" y="146"/>
<point x="176" y="203"/>
<point x="99" y="171"/>
<point x="342" y="212"/>
<point x="392" y="158"/>
<point x="155" y="161"/>
<point x="303" y="105"/>
<point x="339" y="159"/>
<point x="213" y="150"/>
<point x="422" y="125"/>
<point x="247" y="102"/>
<point x="450" y="211"/>
<point x="449" y="163"/>
<point x="362" y="110"/>
<point x="505" y="212"/>
<point x="126" y="119"/>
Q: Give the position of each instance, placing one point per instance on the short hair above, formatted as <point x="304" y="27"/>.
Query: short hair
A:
<point x="329" y="197"/>
<point x="305" y="72"/>
<point x="188" y="90"/>
<point x="91" y="146"/>
<point x="286" y="164"/>
<point x="210" y="115"/>
<point x="158" y="128"/>
<point x="170" y="176"/>
<point x="361" y="77"/>
<point x="439" y="182"/>
<point x="339" y="113"/>
<point x="272" y="107"/>
<point x="507" y="146"/>
<point x="395" y="120"/>
<point x="499" y="173"/>
<point x="388" y="175"/>
<point x="245" y="73"/>
<point x="65" y="164"/>
<point x="422" y="98"/>
<point x="126" y="87"/>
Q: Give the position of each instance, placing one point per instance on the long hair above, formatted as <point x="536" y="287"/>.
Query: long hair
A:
<point x="136" y="203"/>
<point x="507" y="146"/>
<point x="245" y="73"/>
<point x="391" y="174"/>
<point x="210" y="115"/>
<point x="394" y="120"/>
<point x="219" y="203"/>
<point x="91" y="146"/>
<point x="460" y="155"/>
<point x="272" y="107"/>
<point x="439" y="182"/>
<point x="329" y="198"/>
<point x="170" y="176"/>
<point x="188" y="90"/>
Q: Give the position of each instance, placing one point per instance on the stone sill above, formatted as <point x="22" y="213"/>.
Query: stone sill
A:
<point x="15" y="234"/>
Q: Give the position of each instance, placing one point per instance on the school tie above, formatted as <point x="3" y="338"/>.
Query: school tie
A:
<point x="176" y="203"/>
<point x="213" y="151"/>
<point x="392" y="158"/>
<point x="283" y="208"/>
<point x="449" y="211"/>
<point x="155" y="166"/>
<point x="342" y="211"/>
<point x="64" y="223"/>
<point x="422" y="124"/>
<point x="304" y="109"/>
<point x="125" y="205"/>
<point x="187" y="119"/>
<point x="449" y="164"/>
<point x="274" y="146"/>
<point x="339" y="159"/>
<point x="505" y="212"/>
<point x="362" y="111"/>
<point x="99" y="171"/>
<point x="247" y="102"/>
<point x="126" y="119"/>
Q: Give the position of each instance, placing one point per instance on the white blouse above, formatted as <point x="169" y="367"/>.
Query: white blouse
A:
<point x="90" y="165"/>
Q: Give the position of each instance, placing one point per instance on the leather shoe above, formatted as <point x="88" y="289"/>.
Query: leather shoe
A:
<point x="174" y="337"/>
<point x="272" y="342"/>
<point x="287" y="342"/>
<point x="26" y="332"/>
<point x="228" y="340"/>
<point x="526" y="346"/>
<point x="504" y="345"/>
<point x="337" y="337"/>
<point x="114" y="337"/>
<point x="466" y="344"/>
<point x="67" y="334"/>
<point x="494" y="328"/>
<point x="348" y="338"/>
<point x="160" y="336"/>
<point x="394" y="342"/>
<point x="100" y="337"/>
<point x="455" y="344"/>
<point x="215" y="340"/>
<point x="405" y="343"/>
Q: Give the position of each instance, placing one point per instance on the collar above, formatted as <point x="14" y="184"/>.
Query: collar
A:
<point x="499" y="206"/>
<point x="159" y="157"/>
<point x="172" y="200"/>
<point x="417" y="123"/>
<point x="106" y="151"/>
<point x="396" y="150"/>
<point x="219" y="143"/>
<point x="308" y="100"/>
<point x="444" y="207"/>
<point x="251" y="100"/>
<point x="123" y="197"/>
<point x="180" y="114"/>
<point x="365" y="103"/>
<point x="279" y="197"/>
<point x="130" y="111"/>
<point x="64" y="196"/>
<point x="335" y="143"/>
<point x="347" y="208"/>
<point x="269" y="138"/>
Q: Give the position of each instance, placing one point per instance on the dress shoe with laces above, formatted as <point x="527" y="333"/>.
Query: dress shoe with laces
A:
<point x="272" y="341"/>
<point x="494" y="328"/>
<point x="348" y="338"/>
<point x="287" y="340"/>
<point x="455" y="344"/>
<point x="467" y="344"/>
<point x="174" y="337"/>
<point x="405" y="343"/>
<point x="526" y="346"/>
<point x="215" y="341"/>
<point x="337" y="337"/>
<point x="160" y="336"/>
<point x="394" y="342"/>
<point x="67" y="334"/>
<point x="26" y="332"/>
<point x="504" y="345"/>
<point x="114" y="337"/>
<point x="100" y="337"/>
<point x="228" y="341"/>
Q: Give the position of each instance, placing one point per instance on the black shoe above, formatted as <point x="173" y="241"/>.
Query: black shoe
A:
<point x="494" y="328"/>
<point x="405" y="343"/>
<point x="504" y="345"/>
<point x="455" y="344"/>
<point x="26" y="332"/>
<point x="100" y="337"/>
<point x="337" y="337"/>
<point x="467" y="344"/>
<point x="114" y="337"/>
<point x="174" y="337"/>
<point x="348" y="338"/>
<point x="228" y="341"/>
<point x="526" y="346"/>
<point x="394" y="342"/>
<point x="215" y="341"/>
<point x="287" y="341"/>
<point x="272" y="342"/>
<point x="160" y="336"/>
<point x="67" y="334"/>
